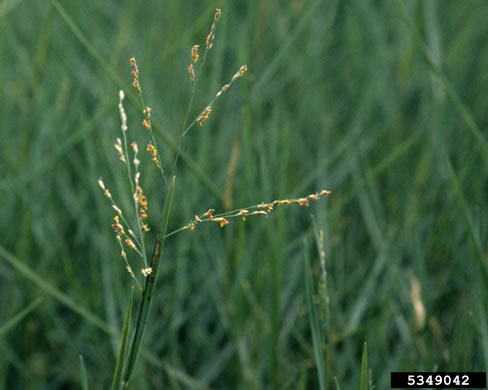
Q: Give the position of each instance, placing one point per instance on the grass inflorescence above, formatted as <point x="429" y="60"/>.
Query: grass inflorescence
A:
<point x="135" y="241"/>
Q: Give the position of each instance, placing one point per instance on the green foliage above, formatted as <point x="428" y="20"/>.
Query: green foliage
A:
<point x="381" y="102"/>
<point x="83" y="374"/>
<point x="315" y="323"/>
<point x="124" y="345"/>
<point x="364" y="369"/>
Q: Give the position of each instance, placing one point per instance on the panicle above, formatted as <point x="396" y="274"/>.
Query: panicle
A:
<point x="154" y="152"/>
<point x="101" y="184"/>
<point x="236" y="75"/>
<point x="119" y="211"/>
<point x="262" y="209"/>
<point x="240" y="72"/>
<point x="130" y="243"/>
<point x="211" y="35"/>
<point x="146" y="271"/>
<point x="123" y="116"/>
<point x="119" y="229"/>
<point x="194" y="53"/>
<point x="136" y="160"/>
<point x="135" y="75"/>
<point x="204" y="115"/>
<point x="191" y="71"/>
<point x="141" y="199"/>
<point x="146" y="122"/>
<point x="120" y="151"/>
<point x="106" y="192"/>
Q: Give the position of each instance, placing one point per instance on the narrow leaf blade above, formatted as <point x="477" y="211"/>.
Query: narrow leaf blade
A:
<point x="19" y="317"/>
<point x="124" y="338"/>
<point x="314" y="322"/>
<point x="364" y="369"/>
<point x="84" y="378"/>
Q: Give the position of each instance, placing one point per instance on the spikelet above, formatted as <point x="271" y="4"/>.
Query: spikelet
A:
<point x="262" y="209"/>
<point x="211" y="36"/>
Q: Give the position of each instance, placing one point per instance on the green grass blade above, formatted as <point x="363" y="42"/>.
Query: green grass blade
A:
<point x="84" y="378"/>
<point x="338" y="387"/>
<point x="52" y="291"/>
<point x="324" y="298"/>
<point x="364" y="369"/>
<point x="116" y="382"/>
<point x="92" y="318"/>
<point x="85" y="42"/>
<point x="278" y="59"/>
<point x="10" y="324"/>
<point x="460" y="107"/>
<point x="149" y="287"/>
<point x="314" y="321"/>
<point x="463" y="204"/>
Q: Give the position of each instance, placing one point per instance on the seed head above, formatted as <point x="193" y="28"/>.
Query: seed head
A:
<point x="146" y="271"/>
<point x="194" y="53"/>
<point x="135" y="75"/>
<point x="147" y="124"/>
<point x="204" y="115"/>
<point x="101" y="184"/>
<point x="211" y="35"/>
<point x="240" y="72"/>
<point x="209" y="214"/>
<point x="119" y="211"/>
<point x="120" y="151"/>
<point x="191" y="71"/>
<point x="243" y="213"/>
<point x="119" y="229"/>
<point x="130" y="244"/>
<point x="221" y="221"/>
<point x="154" y="152"/>
<point x="123" y="116"/>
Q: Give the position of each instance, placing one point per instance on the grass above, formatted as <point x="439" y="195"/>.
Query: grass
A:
<point x="380" y="102"/>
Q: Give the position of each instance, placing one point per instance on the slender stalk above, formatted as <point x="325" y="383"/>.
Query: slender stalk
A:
<point x="124" y="337"/>
<point x="149" y="287"/>
<point x="153" y="140"/>
<point x="131" y="179"/>
<point x="217" y="95"/>
<point x="182" y="131"/>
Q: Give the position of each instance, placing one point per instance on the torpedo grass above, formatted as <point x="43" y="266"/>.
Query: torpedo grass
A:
<point x="383" y="103"/>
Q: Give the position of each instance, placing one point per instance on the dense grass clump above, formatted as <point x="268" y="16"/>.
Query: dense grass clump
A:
<point x="383" y="103"/>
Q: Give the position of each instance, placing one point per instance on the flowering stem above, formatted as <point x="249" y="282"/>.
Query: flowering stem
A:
<point x="131" y="179"/>
<point x="223" y="89"/>
<point x="182" y="132"/>
<point x="149" y="287"/>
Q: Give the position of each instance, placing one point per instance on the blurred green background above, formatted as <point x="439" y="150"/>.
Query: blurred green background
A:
<point x="381" y="102"/>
